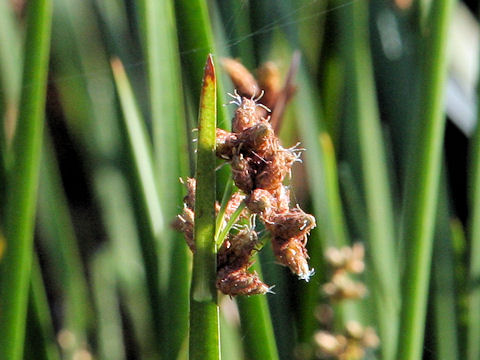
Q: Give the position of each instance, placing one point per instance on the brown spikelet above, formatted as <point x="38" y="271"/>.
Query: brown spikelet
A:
<point x="270" y="81"/>
<point x="274" y="170"/>
<point x="260" y="201"/>
<point x="185" y="223"/>
<point x="259" y="138"/>
<point x="293" y="224"/>
<point x="292" y="253"/>
<point x="226" y="142"/>
<point x="240" y="282"/>
<point x="342" y="287"/>
<point x="286" y="93"/>
<point x="241" y="78"/>
<point x="236" y="250"/>
<point x="282" y="198"/>
<point x="245" y="115"/>
<point x="189" y="199"/>
<point x="242" y="173"/>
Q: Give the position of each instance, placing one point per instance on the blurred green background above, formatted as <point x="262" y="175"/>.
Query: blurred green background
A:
<point x="385" y="107"/>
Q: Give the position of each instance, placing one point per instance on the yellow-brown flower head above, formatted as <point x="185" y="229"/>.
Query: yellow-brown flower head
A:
<point x="347" y="258"/>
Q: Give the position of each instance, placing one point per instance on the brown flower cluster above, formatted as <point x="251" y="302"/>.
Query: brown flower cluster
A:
<point x="351" y="345"/>
<point x="259" y="166"/>
<point x="355" y="339"/>
<point x="345" y="262"/>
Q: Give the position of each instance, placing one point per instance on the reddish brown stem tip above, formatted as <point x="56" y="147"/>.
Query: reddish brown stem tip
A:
<point x="209" y="72"/>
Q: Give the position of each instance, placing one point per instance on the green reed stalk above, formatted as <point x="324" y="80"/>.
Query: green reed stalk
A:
<point x="422" y="185"/>
<point x="148" y="207"/>
<point x="204" y="330"/>
<point x="376" y="187"/>
<point x="443" y="280"/>
<point x="40" y="341"/>
<point x="170" y="161"/>
<point x="473" y="331"/>
<point x="256" y="323"/>
<point x="22" y="184"/>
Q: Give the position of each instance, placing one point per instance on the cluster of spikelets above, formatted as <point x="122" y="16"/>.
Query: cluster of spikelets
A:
<point x="259" y="166"/>
<point x="348" y="346"/>
<point x="354" y="341"/>
<point x="345" y="262"/>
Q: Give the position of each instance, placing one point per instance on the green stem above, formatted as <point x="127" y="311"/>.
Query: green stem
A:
<point x="168" y="127"/>
<point x="256" y="324"/>
<point x="473" y="331"/>
<point x="195" y="30"/>
<point x="148" y="207"/>
<point x="58" y="240"/>
<point x="22" y="184"/>
<point x="40" y="337"/>
<point x="422" y="185"/>
<point x="221" y="214"/>
<point x="104" y="287"/>
<point x="10" y="81"/>
<point x="204" y="330"/>
<point x="233" y="219"/>
<point x="444" y="294"/>
<point x="380" y="232"/>
<point x="322" y="173"/>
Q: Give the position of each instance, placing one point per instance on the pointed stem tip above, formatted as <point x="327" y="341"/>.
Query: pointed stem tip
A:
<point x="209" y="74"/>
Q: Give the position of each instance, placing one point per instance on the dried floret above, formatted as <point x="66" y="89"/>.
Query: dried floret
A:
<point x="189" y="199"/>
<point x="274" y="170"/>
<point x="330" y="344"/>
<point x="245" y="115"/>
<point x="237" y="250"/>
<point x="351" y="345"/>
<point x="293" y="224"/>
<point x="242" y="173"/>
<point x="292" y="253"/>
<point x="347" y="258"/>
<point x="282" y="197"/>
<point x="275" y="97"/>
<point x="259" y="138"/>
<point x="226" y="142"/>
<point x="260" y="201"/>
<point x="240" y="282"/>
<point x="370" y="338"/>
